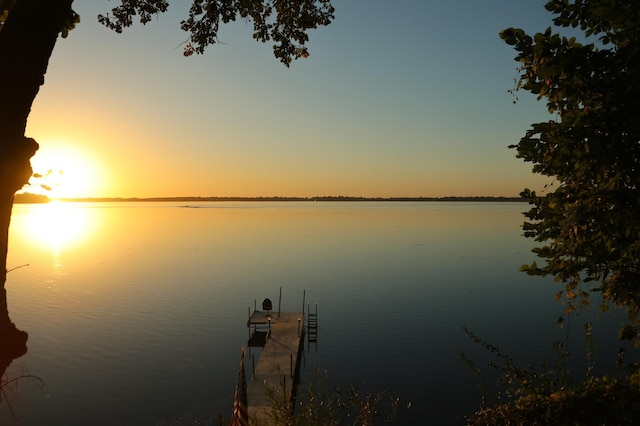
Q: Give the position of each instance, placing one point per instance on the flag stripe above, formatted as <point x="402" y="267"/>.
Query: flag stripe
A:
<point x="240" y="416"/>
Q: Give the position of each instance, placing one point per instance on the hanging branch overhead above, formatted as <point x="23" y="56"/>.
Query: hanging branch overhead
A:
<point x="284" y="22"/>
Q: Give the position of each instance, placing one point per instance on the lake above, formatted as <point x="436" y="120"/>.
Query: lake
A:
<point x="136" y="311"/>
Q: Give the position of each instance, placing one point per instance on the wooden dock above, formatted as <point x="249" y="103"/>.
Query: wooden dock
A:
<point x="279" y="364"/>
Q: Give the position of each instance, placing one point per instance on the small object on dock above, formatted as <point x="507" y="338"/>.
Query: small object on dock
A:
<point x="267" y="305"/>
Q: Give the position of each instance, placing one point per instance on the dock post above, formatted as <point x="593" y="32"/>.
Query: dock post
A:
<point x="253" y="366"/>
<point x="304" y="295"/>
<point x="298" y="327"/>
<point x="279" y="301"/>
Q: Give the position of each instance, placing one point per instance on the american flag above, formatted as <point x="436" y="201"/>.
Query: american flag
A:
<point x="240" y="416"/>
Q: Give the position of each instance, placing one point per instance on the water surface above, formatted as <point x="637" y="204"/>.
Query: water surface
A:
<point x="136" y="312"/>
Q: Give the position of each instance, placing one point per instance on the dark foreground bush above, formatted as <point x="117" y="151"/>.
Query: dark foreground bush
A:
<point x="599" y="401"/>
<point x="548" y="395"/>
<point x="320" y="405"/>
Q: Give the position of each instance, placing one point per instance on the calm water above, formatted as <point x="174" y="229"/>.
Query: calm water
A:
<point x="136" y="312"/>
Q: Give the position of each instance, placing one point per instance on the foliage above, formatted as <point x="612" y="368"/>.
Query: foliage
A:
<point x="286" y="22"/>
<point x="321" y="406"/>
<point x="589" y="224"/>
<point x="530" y="396"/>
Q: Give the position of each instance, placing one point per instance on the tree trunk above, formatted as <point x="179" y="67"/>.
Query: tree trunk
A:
<point x="27" y="39"/>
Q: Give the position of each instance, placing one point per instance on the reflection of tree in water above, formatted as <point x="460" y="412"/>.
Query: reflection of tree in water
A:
<point x="13" y="344"/>
<point x="14" y="341"/>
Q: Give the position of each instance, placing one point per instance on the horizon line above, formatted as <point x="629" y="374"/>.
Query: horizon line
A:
<point x="28" y="197"/>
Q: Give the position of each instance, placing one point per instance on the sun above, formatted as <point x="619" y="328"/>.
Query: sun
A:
<point x="63" y="171"/>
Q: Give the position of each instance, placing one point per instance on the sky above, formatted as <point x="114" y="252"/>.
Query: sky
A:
<point x="404" y="98"/>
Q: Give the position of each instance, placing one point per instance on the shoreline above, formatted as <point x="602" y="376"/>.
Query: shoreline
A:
<point x="33" y="198"/>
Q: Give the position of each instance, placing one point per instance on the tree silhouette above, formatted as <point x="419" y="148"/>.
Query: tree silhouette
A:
<point x="589" y="224"/>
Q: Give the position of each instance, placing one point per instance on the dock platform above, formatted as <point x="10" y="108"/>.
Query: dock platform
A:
<point x="279" y="364"/>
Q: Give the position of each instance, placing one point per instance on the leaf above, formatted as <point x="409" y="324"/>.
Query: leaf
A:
<point x="627" y="333"/>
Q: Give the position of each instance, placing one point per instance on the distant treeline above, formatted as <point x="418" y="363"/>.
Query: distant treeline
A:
<point x="33" y="198"/>
<point x="30" y="198"/>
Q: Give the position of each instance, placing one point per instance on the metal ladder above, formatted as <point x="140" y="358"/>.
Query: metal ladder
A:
<point x="312" y="325"/>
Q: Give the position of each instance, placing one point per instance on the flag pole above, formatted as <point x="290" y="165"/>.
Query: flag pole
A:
<point x="240" y="415"/>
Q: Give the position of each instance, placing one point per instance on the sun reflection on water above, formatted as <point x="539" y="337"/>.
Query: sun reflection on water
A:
<point x="55" y="225"/>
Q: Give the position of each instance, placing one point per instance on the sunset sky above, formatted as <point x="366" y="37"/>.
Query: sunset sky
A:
<point x="398" y="98"/>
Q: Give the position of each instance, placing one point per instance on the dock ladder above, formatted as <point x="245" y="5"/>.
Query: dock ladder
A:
<point x="312" y="325"/>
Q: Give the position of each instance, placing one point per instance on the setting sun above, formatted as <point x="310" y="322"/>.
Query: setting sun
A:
<point x="63" y="171"/>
